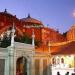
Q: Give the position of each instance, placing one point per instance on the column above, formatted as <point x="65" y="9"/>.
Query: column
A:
<point x="7" y="65"/>
<point x="49" y="66"/>
<point x="37" y="66"/>
<point x="12" y="62"/>
<point x="45" y="67"/>
<point x="28" y="66"/>
<point x="41" y="66"/>
<point x="32" y="67"/>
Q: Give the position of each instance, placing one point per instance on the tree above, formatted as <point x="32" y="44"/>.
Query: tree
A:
<point x="5" y="42"/>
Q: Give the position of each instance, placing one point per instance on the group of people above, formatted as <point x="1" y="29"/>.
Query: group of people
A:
<point x="67" y="73"/>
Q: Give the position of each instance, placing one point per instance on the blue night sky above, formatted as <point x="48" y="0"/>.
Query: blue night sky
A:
<point x="55" y="13"/>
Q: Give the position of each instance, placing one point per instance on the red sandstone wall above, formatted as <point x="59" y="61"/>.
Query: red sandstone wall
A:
<point x="42" y="34"/>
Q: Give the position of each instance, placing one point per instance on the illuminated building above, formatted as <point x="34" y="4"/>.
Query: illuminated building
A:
<point x="28" y="60"/>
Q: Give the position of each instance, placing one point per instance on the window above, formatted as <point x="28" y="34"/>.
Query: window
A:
<point x="53" y="61"/>
<point x="62" y="60"/>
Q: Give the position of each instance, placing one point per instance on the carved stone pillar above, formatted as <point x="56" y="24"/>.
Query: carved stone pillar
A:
<point x="12" y="62"/>
<point x="32" y="67"/>
<point x="41" y="66"/>
<point x="29" y="66"/>
<point x="7" y="65"/>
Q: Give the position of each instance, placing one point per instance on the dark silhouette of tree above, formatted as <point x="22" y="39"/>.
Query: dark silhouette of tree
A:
<point x="25" y="39"/>
<point x="5" y="42"/>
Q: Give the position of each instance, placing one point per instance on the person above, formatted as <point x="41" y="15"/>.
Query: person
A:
<point x="58" y="73"/>
<point x="67" y="73"/>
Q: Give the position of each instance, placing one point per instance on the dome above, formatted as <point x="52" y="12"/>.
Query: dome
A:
<point x="31" y="20"/>
<point x="7" y="14"/>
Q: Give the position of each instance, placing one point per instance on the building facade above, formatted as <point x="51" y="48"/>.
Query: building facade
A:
<point x="49" y="53"/>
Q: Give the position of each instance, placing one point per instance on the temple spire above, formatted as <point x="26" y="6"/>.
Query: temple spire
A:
<point x="33" y="40"/>
<point x="12" y="35"/>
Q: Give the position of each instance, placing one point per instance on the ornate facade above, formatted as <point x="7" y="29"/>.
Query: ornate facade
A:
<point x="51" y="51"/>
<point x="26" y="25"/>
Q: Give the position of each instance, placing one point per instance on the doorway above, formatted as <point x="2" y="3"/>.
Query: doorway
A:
<point x="21" y="66"/>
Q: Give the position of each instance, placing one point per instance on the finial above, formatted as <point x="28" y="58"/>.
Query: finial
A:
<point x="5" y="10"/>
<point x="28" y="15"/>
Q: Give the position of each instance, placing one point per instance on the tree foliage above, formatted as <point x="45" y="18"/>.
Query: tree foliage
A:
<point x="25" y="39"/>
<point x="5" y="42"/>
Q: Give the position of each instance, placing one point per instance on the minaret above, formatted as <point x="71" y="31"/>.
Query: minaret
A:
<point x="33" y="36"/>
<point x="12" y="35"/>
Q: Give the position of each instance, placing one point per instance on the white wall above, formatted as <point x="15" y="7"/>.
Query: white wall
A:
<point x="62" y="71"/>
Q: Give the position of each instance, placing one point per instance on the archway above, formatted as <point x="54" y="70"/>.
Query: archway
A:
<point x="21" y="67"/>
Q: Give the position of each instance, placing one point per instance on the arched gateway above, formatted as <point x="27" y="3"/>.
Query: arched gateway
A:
<point x="23" y="56"/>
<point x="21" y="66"/>
<point x="18" y="60"/>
